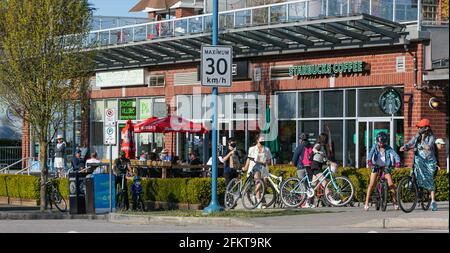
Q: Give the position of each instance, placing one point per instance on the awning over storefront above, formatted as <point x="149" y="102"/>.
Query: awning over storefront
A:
<point x="357" y="31"/>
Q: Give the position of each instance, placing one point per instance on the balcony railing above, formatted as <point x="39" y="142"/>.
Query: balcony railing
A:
<point x="293" y="11"/>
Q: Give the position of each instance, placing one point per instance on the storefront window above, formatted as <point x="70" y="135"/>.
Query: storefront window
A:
<point x="350" y="108"/>
<point x="97" y="139"/>
<point x="286" y="105"/>
<point x="350" y="129"/>
<point x="98" y="109"/>
<point x="159" y="108"/>
<point x="368" y="103"/>
<point x="145" y="108"/>
<point x="111" y="104"/>
<point x="310" y="128"/>
<point x="335" y="134"/>
<point x="309" y="104"/>
<point x="184" y="106"/>
<point x="332" y="103"/>
<point x="287" y="133"/>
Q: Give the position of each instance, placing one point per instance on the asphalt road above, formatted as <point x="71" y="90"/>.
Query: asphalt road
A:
<point x="344" y="221"/>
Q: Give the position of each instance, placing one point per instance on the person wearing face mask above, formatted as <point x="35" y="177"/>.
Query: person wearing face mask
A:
<point x="423" y="144"/>
<point x="259" y="157"/>
<point x="231" y="161"/>
<point x="382" y="157"/>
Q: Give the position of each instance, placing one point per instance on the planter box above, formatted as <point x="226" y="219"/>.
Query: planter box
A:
<point x="160" y="205"/>
<point x="19" y="201"/>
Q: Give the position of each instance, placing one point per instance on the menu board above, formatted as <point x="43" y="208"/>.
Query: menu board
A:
<point x="127" y="109"/>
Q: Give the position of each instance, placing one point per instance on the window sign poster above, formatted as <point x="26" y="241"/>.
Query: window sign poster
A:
<point x="145" y="109"/>
<point x="127" y="109"/>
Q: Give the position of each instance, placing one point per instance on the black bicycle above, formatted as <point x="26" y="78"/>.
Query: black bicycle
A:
<point x="409" y="194"/>
<point x="54" y="197"/>
<point x="121" y="197"/>
<point x="381" y="190"/>
<point x="246" y="190"/>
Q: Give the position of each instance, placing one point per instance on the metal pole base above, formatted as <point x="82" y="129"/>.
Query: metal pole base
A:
<point x="213" y="208"/>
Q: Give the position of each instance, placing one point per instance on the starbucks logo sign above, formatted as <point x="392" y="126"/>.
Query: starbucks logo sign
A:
<point x="390" y="101"/>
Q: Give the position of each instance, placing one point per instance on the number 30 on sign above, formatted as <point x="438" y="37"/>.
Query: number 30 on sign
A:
<point x="216" y="66"/>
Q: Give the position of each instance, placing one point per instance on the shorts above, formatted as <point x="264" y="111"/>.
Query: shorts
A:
<point x="386" y="170"/>
<point x="313" y="171"/>
<point x="59" y="162"/>
<point x="261" y="169"/>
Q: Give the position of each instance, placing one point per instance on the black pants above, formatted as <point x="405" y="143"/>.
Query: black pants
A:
<point x="125" y="187"/>
<point x="229" y="176"/>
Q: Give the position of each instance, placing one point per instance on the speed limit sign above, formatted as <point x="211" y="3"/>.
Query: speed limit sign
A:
<point x="216" y="66"/>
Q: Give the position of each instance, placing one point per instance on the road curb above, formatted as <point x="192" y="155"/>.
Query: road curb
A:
<point x="175" y="220"/>
<point x="48" y="216"/>
<point x="413" y="223"/>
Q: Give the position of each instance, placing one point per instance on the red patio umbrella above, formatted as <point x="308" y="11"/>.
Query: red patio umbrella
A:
<point x="145" y="126"/>
<point x="127" y="144"/>
<point x="176" y="124"/>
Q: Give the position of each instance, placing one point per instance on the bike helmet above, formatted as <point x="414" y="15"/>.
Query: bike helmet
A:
<point x="382" y="137"/>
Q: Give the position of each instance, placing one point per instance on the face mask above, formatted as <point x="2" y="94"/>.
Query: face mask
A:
<point x="262" y="142"/>
<point x="233" y="145"/>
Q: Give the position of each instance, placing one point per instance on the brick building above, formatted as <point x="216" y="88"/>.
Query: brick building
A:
<point x="317" y="69"/>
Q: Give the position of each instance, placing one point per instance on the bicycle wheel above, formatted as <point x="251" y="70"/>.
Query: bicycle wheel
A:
<point x="407" y="194"/>
<point x="252" y="189"/>
<point x="339" y="191"/>
<point x="59" y="200"/>
<point x="270" y="195"/>
<point x="377" y="196"/>
<point x="425" y="200"/>
<point x="293" y="192"/>
<point x="383" y="196"/>
<point x="232" y="193"/>
<point x="121" y="205"/>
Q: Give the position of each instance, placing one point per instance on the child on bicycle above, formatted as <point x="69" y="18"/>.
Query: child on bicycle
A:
<point x="423" y="144"/>
<point x="382" y="156"/>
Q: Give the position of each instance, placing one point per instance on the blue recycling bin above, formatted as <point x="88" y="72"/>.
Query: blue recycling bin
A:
<point x="101" y="193"/>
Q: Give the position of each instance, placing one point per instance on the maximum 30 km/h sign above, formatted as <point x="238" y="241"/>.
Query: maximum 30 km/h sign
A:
<point x="216" y="66"/>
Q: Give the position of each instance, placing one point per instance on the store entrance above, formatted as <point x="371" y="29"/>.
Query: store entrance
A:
<point x="367" y="132"/>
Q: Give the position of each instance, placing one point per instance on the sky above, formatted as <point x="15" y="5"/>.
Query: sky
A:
<point x="115" y="8"/>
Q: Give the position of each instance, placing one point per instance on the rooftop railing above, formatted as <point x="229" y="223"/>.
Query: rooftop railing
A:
<point x="292" y="11"/>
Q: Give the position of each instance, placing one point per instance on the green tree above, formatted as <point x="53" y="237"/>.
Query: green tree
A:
<point x="43" y="64"/>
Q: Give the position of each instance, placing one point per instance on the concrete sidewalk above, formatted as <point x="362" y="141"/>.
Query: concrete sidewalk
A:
<point x="12" y="212"/>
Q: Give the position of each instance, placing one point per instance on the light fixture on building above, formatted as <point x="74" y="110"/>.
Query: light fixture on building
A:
<point x="434" y="103"/>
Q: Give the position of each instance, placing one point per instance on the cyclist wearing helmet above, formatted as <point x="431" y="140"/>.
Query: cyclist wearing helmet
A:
<point x="423" y="144"/>
<point x="382" y="156"/>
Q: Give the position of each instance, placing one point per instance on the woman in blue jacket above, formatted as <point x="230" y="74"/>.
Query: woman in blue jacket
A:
<point x="382" y="156"/>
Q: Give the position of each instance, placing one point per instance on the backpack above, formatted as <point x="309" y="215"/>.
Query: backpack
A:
<point x="307" y="156"/>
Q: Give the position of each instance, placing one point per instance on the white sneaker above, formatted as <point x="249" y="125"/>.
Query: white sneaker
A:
<point x="366" y="208"/>
<point x="308" y="205"/>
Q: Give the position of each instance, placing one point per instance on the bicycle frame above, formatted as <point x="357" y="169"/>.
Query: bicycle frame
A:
<point x="276" y="186"/>
<point x="324" y="175"/>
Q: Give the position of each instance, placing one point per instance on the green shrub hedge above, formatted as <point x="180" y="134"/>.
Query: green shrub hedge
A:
<point x="198" y="190"/>
<point x="27" y="187"/>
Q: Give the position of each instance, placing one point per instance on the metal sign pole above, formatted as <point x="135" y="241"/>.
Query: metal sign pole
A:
<point x="110" y="178"/>
<point x="214" y="205"/>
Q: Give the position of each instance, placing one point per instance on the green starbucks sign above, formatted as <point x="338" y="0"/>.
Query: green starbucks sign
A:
<point x="328" y="68"/>
<point x="390" y="101"/>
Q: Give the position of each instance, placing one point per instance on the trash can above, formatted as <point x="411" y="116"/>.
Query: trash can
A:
<point x="90" y="197"/>
<point x="77" y="189"/>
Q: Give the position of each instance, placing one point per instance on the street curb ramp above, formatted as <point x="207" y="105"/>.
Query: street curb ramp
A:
<point x="164" y="220"/>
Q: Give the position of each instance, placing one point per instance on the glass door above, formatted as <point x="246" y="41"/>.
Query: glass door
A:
<point x="367" y="131"/>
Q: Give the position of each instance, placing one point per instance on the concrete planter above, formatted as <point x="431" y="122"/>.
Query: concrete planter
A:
<point x="160" y="205"/>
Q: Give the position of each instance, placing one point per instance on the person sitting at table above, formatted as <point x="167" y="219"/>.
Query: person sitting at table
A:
<point x="143" y="156"/>
<point x="164" y="156"/>
<point x="195" y="160"/>
<point x="89" y="164"/>
<point x="77" y="162"/>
